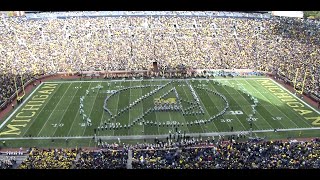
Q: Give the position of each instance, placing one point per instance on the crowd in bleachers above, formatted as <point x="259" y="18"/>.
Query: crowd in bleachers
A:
<point x="105" y="159"/>
<point x="7" y="162"/>
<point x="233" y="155"/>
<point x="193" y="154"/>
<point x="49" y="159"/>
<point x="7" y="85"/>
<point x="278" y="45"/>
<point x="75" y="159"/>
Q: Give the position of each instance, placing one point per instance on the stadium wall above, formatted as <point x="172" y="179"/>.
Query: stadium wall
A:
<point x="65" y="15"/>
<point x="298" y="14"/>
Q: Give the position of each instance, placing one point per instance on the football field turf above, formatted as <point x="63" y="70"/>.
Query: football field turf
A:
<point x="140" y="109"/>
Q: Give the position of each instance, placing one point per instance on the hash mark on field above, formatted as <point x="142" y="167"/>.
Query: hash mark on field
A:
<point x="294" y="95"/>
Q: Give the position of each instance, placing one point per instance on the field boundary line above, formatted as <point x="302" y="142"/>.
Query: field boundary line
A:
<point x="295" y="96"/>
<point x="290" y="119"/>
<point x="30" y="95"/>
<point x="141" y="137"/>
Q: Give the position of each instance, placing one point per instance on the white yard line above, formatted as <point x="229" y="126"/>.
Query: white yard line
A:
<point x="91" y="107"/>
<point x="217" y="107"/>
<point x="196" y="115"/>
<point x="169" y="112"/>
<point x="129" y="109"/>
<point x="143" y="125"/>
<point x="137" y="124"/>
<point x="157" y="119"/>
<point x="274" y="106"/>
<point x="54" y="109"/>
<point x="103" y="112"/>
<point x="18" y="108"/>
<point x="294" y="96"/>
<point x="67" y="109"/>
<point x="171" y="121"/>
<point x="75" y="117"/>
<point x="140" y="137"/>
<point x="250" y="107"/>
<point x="117" y="108"/>
<point x="201" y="103"/>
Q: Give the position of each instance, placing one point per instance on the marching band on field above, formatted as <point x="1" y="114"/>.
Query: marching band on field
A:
<point x="171" y="104"/>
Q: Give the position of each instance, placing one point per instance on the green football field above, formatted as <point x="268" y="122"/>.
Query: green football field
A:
<point x="134" y="110"/>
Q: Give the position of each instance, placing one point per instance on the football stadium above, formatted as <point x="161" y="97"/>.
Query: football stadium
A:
<point x="159" y="90"/>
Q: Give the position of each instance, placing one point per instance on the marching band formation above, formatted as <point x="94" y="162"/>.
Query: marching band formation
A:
<point x="163" y="105"/>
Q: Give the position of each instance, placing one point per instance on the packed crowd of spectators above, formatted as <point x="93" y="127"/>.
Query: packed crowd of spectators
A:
<point x="49" y="159"/>
<point x="7" y="85"/>
<point x="76" y="159"/>
<point x="233" y="155"/>
<point x="187" y="154"/>
<point x="105" y="159"/>
<point x="7" y="162"/>
<point x="278" y="45"/>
